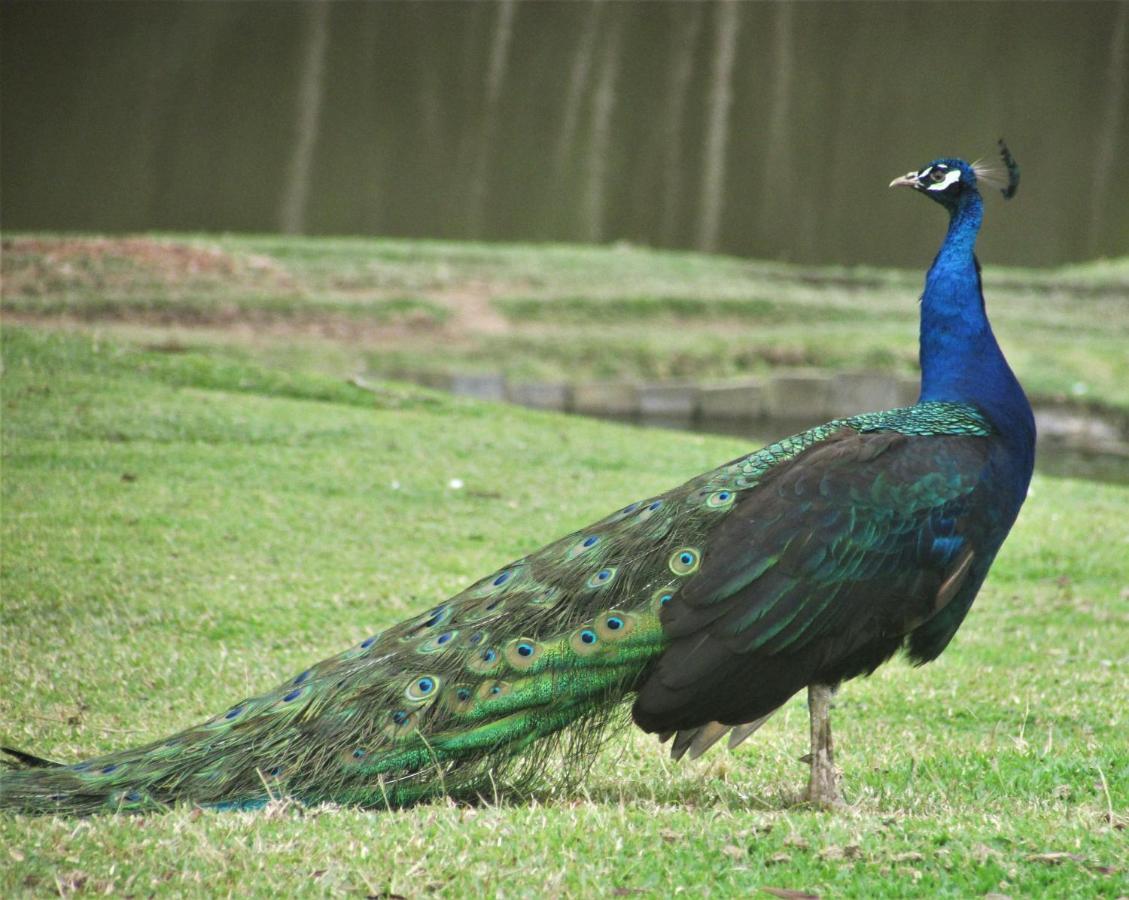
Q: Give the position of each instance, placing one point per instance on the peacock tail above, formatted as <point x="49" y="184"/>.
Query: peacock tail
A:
<point x="474" y="695"/>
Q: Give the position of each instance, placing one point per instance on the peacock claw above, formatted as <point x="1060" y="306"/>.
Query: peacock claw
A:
<point x="823" y="789"/>
<point x="829" y="801"/>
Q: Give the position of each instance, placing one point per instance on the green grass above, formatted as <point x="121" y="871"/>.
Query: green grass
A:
<point x="557" y="312"/>
<point x="180" y="529"/>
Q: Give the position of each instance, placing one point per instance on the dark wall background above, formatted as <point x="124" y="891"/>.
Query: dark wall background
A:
<point x="763" y="129"/>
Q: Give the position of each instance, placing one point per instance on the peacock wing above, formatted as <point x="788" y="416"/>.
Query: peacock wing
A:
<point x="832" y="559"/>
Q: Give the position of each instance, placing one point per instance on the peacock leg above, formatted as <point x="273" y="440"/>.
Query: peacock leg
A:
<point x="823" y="786"/>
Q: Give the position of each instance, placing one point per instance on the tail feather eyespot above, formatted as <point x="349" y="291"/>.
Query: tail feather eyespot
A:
<point x="662" y="597"/>
<point x="585" y="544"/>
<point x="614" y="625"/>
<point x="493" y="690"/>
<point x="685" y="561"/>
<point x="522" y="653"/>
<point x="442" y="641"/>
<point x="722" y="499"/>
<point x="484" y="661"/>
<point x="422" y="689"/>
<point x="485" y="609"/>
<point x="460" y="698"/>
<point x="400" y="724"/>
<point x="546" y="597"/>
<point x="602" y="578"/>
<point x="585" y="641"/>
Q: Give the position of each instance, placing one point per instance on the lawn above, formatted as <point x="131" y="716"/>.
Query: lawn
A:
<point x="183" y="528"/>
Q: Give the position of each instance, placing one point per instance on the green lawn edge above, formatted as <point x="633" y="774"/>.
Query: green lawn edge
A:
<point x="551" y="312"/>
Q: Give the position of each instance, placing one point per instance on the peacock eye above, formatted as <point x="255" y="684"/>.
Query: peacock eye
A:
<point x="937" y="175"/>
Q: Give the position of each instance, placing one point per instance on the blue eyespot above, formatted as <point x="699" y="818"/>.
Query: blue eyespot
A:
<point x="614" y="623"/>
<point x="106" y="770"/>
<point x="443" y="638"/>
<point x="631" y="507"/>
<point x="496" y="689"/>
<point x="484" y="660"/>
<point x="502" y="579"/>
<point x="358" y="753"/>
<point x="655" y="505"/>
<point x="233" y="712"/>
<point x="368" y="642"/>
<point x="435" y="617"/>
<point x="662" y="596"/>
<point x="399" y="717"/>
<point x="685" y="561"/>
<point x="132" y="797"/>
<point x="588" y="636"/>
<point x="302" y="677"/>
<point x="524" y="649"/>
<point x="602" y="577"/>
<point x="425" y="685"/>
<point x="463" y="694"/>
<point x="476" y="638"/>
<point x="719" y="499"/>
<point x="585" y="543"/>
<point x="276" y="771"/>
<point x="292" y="695"/>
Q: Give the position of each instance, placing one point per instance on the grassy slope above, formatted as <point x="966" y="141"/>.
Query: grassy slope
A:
<point x="180" y="530"/>
<point x="541" y="311"/>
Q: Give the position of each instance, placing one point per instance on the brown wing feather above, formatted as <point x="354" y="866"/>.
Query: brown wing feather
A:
<point x="822" y="570"/>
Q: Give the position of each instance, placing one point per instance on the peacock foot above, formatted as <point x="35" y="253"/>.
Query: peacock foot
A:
<point x="823" y="785"/>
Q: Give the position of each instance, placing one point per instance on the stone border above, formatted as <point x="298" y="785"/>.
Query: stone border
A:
<point x="789" y="394"/>
<point x="792" y="395"/>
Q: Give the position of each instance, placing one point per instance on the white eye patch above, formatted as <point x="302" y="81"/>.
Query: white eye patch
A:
<point x="951" y="177"/>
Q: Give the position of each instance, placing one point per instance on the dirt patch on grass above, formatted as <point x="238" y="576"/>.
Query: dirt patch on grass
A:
<point x="472" y="310"/>
<point x="34" y="267"/>
<point x="166" y="257"/>
<point x="151" y="281"/>
<point x="246" y="324"/>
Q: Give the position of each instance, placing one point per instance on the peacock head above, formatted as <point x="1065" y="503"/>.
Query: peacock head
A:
<point x="946" y="180"/>
<point x="949" y="181"/>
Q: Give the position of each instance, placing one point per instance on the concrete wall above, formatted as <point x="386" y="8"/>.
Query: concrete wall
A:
<point x="799" y="396"/>
<point x="794" y="394"/>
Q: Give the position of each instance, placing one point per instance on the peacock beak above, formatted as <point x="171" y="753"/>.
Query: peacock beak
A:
<point x="907" y="180"/>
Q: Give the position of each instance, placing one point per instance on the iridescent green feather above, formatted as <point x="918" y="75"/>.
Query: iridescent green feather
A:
<point x="471" y="696"/>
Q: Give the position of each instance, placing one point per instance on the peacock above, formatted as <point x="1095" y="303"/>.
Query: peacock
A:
<point x="801" y="565"/>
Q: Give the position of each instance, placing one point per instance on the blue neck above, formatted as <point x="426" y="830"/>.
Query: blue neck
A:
<point x="960" y="359"/>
